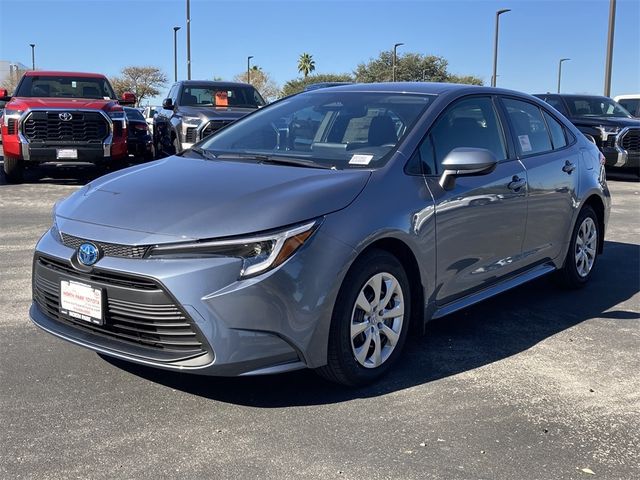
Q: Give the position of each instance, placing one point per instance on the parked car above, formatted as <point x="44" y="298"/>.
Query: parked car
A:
<point x="261" y="251"/>
<point x="149" y="112"/>
<point x="613" y="128"/>
<point x="631" y="103"/>
<point x="139" y="139"/>
<point x="62" y="117"/>
<point x="195" y="109"/>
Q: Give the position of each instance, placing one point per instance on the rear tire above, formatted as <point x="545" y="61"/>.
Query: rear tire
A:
<point x="367" y="335"/>
<point x="583" y="250"/>
<point x="13" y="169"/>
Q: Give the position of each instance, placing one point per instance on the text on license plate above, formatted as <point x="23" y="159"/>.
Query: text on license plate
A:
<point x="70" y="153"/>
<point x="81" y="301"/>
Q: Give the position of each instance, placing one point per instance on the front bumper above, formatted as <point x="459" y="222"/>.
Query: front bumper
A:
<point x="275" y="322"/>
<point x="616" y="155"/>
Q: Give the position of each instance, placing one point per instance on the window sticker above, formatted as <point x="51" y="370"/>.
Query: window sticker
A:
<point x="222" y="99"/>
<point x="525" y="144"/>
<point x="73" y="84"/>
<point x="360" y="159"/>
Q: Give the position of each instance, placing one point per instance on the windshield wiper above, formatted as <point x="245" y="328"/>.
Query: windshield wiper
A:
<point x="200" y="152"/>
<point x="277" y="159"/>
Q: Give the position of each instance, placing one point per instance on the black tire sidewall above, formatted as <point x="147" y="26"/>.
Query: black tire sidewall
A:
<point x="366" y="267"/>
<point x="570" y="271"/>
<point x="13" y="169"/>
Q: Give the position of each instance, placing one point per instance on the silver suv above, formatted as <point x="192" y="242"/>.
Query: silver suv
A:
<point x="195" y="109"/>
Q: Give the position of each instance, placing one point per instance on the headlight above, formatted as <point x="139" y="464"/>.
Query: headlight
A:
<point x="606" y="130"/>
<point x="10" y="114"/>
<point x="258" y="253"/>
<point x="191" y="121"/>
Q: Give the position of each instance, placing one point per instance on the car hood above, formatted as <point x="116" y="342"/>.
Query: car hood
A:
<point x="189" y="198"/>
<point x="606" y="121"/>
<point x="215" y="113"/>
<point x="22" y="103"/>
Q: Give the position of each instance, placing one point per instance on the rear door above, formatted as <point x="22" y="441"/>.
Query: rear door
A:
<point x="544" y="147"/>
<point x="480" y="222"/>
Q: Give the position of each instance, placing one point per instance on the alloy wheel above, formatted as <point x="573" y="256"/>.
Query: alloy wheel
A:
<point x="586" y="245"/>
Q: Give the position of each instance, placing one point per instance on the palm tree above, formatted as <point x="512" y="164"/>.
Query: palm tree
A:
<point x="306" y="64"/>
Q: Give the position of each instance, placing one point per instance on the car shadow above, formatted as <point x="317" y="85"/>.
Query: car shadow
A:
<point x="50" y="174"/>
<point x="485" y="333"/>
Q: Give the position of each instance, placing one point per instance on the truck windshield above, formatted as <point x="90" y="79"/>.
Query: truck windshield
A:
<point x="65" y="87"/>
<point x="220" y="96"/>
<point x="595" y="107"/>
<point x="331" y="129"/>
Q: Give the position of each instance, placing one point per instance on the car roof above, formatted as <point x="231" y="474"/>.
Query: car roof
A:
<point x="568" y="95"/>
<point x="50" y="73"/>
<point x="214" y="83"/>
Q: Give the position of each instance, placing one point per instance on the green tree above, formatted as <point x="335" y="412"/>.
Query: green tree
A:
<point x="145" y="82"/>
<point x="297" y="85"/>
<point x="410" y="67"/>
<point x="262" y="81"/>
<point x="306" y="64"/>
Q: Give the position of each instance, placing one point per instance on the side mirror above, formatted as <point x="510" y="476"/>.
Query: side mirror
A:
<point x="465" y="161"/>
<point x="167" y="103"/>
<point x="4" y="95"/>
<point x="128" y="98"/>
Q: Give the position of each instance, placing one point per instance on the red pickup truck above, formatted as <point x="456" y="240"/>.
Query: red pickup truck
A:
<point x="62" y="117"/>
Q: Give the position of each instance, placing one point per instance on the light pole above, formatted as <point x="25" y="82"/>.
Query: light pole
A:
<point x="188" y="40"/>
<point x="248" y="68"/>
<point x="560" y="71"/>
<point x="495" y="46"/>
<point x="33" y="56"/>
<point x="175" y="53"/>
<point x="609" y="60"/>
<point x="395" y="57"/>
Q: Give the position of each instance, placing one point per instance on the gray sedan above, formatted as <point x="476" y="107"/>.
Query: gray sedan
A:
<point x="320" y="231"/>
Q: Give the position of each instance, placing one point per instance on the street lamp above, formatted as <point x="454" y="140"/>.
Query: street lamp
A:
<point x="188" y="40"/>
<point x="248" y="66"/>
<point x="33" y="56"/>
<point x="175" y="53"/>
<point x="395" y="48"/>
<point x="560" y="71"/>
<point x="609" y="60"/>
<point x="495" y="46"/>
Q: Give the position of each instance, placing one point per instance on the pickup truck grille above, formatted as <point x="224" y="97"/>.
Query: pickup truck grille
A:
<point x="630" y="141"/>
<point x="213" y="126"/>
<point x="83" y="127"/>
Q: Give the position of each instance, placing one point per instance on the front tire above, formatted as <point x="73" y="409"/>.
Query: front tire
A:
<point x="370" y="320"/>
<point x="13" y="169"/>
<point x="583" y="250"/>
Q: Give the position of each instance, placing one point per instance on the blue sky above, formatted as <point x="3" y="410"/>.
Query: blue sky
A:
<point x="104" y="36"/>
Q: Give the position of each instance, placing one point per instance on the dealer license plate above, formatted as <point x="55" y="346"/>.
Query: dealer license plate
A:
<point x="81" y="301"/>
<point x="67" y="153"/>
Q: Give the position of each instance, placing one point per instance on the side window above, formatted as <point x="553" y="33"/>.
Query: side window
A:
<point x="423" y="160"/>
<point x="174" y="93"/>
<point x="471" y="122"/>
<point x="557" y="132"/>
<point x="557" y="104"/>
<point x="530" y="131"/>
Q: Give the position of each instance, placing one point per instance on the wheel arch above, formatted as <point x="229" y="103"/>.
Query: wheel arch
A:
<point x="596" y="203"/>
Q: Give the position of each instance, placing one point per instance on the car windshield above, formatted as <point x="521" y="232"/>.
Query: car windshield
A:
<point x="341" y="129"/>
<point x="220" y="96"/>
<point x="65" y="87"/>
<point x="595" y="107"/>
<point x="133" y="113"/>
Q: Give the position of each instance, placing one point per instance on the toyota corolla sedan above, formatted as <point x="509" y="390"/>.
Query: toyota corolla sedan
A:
<point x="318" y="232"/>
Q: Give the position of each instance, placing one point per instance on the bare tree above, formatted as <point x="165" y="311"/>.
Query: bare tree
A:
<point x="145" y="82"/>
<point x="11" y="82"/>
<point x="262" y="81"/>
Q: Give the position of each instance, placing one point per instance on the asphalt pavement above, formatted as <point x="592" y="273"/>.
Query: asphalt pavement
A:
<point x="538" y="383"/>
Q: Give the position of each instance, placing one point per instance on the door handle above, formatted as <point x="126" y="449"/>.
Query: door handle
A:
<point x="568" y="167"/>
<point x="517" y="183"/>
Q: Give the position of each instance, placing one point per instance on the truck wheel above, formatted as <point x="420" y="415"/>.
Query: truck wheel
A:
<point x="13" y="169"/>
<point x="176" y="146"/>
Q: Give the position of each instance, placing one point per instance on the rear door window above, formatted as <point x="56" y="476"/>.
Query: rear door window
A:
<point x="557" y="132"/>
<point x="529" y="129"/>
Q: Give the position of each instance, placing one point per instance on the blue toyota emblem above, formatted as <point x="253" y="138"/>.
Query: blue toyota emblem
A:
<point x="87" y="254"/>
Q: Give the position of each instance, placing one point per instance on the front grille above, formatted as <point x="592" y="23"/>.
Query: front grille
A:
<point x="611" y="142"/>
<point x="84" y="127"/>
<point x="190" y="137"/>
<point x="108" y="249"/>
<point x="149" y="318"/>
<point x="213" y="126"/>
<point x="631" y="140"/>
<point x="11" y="126"/>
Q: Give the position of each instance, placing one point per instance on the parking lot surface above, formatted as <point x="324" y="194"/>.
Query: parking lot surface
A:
<point x="537" y="383"/>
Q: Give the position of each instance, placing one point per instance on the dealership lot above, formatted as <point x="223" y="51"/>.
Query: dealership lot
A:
<point x="536" y="383"/>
